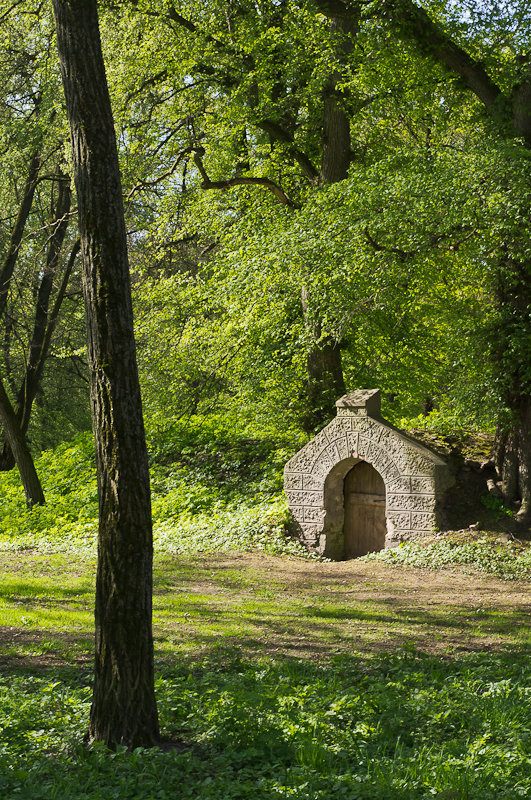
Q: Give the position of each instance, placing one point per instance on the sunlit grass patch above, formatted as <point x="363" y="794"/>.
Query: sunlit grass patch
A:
<point x="276" y="678"/>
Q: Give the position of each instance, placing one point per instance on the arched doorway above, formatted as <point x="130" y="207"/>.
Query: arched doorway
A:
<point x="364" y="497"/>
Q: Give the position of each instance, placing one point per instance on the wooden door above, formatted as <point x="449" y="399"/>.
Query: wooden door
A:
<point x="365" y="526"/>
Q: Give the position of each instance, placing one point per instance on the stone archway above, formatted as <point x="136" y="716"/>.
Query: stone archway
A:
<point x="415" y="478"/>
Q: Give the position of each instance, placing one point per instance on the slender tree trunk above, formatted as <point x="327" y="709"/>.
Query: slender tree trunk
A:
<point x="524" y="462"/>
<point x="6" y="272"/>
<point x="512" y="454"/>
<point x="14" y="435"/>
<point x="44" y="322"/>
<point x="513" y="460"/>
<point x="31" y="382"/>
<point x="511" y="352"/>
<point x="19" y="448"/>
<point x="123" y="704"/>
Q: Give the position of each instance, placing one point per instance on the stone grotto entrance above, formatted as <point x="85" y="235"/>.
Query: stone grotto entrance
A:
<point x="364" y="525"/>
<point x="361" y="484"/>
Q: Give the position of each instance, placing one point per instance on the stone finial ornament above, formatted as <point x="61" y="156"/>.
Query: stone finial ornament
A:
<point x="361" y="484"/>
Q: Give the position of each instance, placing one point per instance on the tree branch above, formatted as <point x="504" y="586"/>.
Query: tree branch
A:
<point x="150" y="184"/>
<point x="273" y="187"/>
<point x="413" y="24"/>
<point x="223" y="47"/>
<point x="280" y="135"/>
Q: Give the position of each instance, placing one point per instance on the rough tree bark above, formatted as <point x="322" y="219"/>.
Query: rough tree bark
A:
<point x="21" y="453"/>
<point x="123" y="708"/>
<point x="513" y="455"/>
<point x="6" y="272"/>
<point x="325" y="381"/>
<point x="511" y="349"/>
<point x="14" y="435"/>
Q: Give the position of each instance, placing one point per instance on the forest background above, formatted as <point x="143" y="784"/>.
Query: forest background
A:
<point x="319" y="196"/>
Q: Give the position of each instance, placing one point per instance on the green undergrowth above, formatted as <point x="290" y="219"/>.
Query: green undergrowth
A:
<point x="484" y="554"/>
<point x="446" y="433"/>
<point x="405" y="726"/>
<point x="213" y="489"/>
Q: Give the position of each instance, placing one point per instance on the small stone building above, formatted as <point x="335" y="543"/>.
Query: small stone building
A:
<point x="361" y="484"/>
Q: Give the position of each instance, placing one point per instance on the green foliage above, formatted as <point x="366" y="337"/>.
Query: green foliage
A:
<point x="31" y="123"/>
<point x="453" y="420"/>
<point x="219" y="451"/>
<point x="497" y="505"/>
<point x="214" y="488"/>
<point x="404" y="725"/>
<point x="69" y="518"/>
<point x="481" y="554"/>
<point x="261" y="526"/>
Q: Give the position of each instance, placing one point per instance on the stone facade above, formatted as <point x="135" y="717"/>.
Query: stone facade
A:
<point x="415" y="478"/>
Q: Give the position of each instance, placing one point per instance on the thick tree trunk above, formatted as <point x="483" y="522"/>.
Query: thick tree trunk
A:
<point x="325" y="382"/>
<point x="336" y="156"/>
<point x="123" y="705"/>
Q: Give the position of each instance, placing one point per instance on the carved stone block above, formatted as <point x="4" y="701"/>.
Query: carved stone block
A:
<point x="293" y="480"/>
<point x="342" y="447"/>
<point x="422" y="485"/>
<point x="297" y="512"/>
<point x="398" y="485"/>
<point x="352" y="444"/>
<point x="303" y="498"/>
<point x="314" y="482"/>
<point x="340" y="425"/>
<point x="332" y="453"/>
<point x="423" y="521"/>
<point x="417" y="465"/>
<point x="399" y="520"/>
<point x="410" y="502"/>
<point x="313" y="514"/>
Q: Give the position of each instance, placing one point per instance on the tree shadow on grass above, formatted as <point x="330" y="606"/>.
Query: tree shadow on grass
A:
<point x="286" y="726"/>
<point x="314" y="631"/>
<point x="25" y="650"/>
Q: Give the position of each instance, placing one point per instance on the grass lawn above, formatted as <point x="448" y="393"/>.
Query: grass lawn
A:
<point x="276" y="678"/>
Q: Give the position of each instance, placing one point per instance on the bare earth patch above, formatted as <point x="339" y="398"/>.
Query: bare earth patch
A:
<point x="285" y="608"/>
<point x="307" y="609"/>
